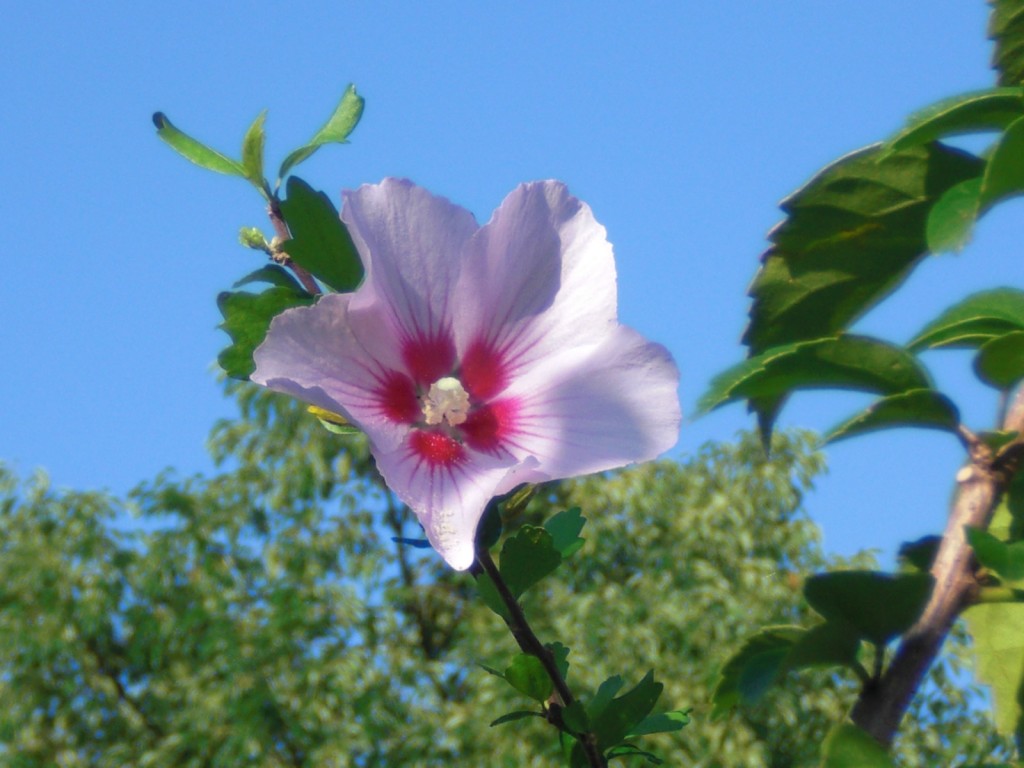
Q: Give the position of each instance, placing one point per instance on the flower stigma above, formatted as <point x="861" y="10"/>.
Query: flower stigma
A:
<point x="448" y="401"/>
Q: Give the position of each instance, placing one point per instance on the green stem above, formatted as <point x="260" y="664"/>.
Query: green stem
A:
<point x="529" y="643"/>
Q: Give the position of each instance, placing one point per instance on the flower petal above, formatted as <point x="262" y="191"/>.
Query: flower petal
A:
<point x="595" y="409"/>
<point x="314" y="354"/>
<point x="448" y="493"/>
<point x="412" y="244"/>
<point x="540" y="278"/>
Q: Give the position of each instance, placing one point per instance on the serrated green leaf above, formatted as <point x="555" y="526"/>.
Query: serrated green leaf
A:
<point x="560" y="655"/>
<point x="527" y="557"/>
<point x="750" y="671"/>
<point x="625" y="712"/>
<point x="877" y="606"/>
<point x="973" y="321"/>
<point x="247" y="317"/>
<point x="1000" y="361"/>
<point x="951" y="220"/>
<point x="917" y="408"/>
<point x="1006" y="560"/>
<point x="273" y="274"/>
<point x="847" y="746"/>
<point x="336" y="130"/>
<point x="851" y="235"/>
<point x="663" y="722"/>
<point x="194" y="150"/>
<point x="1006" y="28"/>
<point x="842" y="362"/>
<point x="565" y="528"/>
<point x="320" y="241"/>
<point x="1004" y="171"/>
<point x="987" y="110"/>
<point x="511" y="717"/>
<point x="527" y="675"/>
<point x="252" y="152"/>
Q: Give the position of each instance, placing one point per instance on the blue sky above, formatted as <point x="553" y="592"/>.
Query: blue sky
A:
<point x="681" y="124"/>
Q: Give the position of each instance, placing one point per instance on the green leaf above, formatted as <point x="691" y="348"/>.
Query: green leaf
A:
<point x="511" y="717"/>
<point x="527" y="675"/>
<point x="750" y="672"/>
<point x="1007" y="560"/>
<point x="336" y="130"/>
<point x="847" y="746"/>
<point x="852" y="234"/>
<point x="193" y="150"/>
<point x="951" y="220"/>
<point x="970" y="323"/>
<point x="575" y="717"/>
<point x="842" y="362"/>
<point x="273" y="274"/>
<point x="988" y="110"/>
<point x="565" y="528"/>
<point x="1000" y="361"/>
<point x="252" y="152"/>
<point x="489" y="594"/>
<point x="527" y="557"/>
<point x="320" y="241"/>
<point x="624" y="713"/>
<point x="247" y="317"/>
<point x="916" y="408"/>
<point x="920" y="553"/>
<point x="998" y="634"/>
<point x="560" y="654"/>
<point x="832" y="643"/>
<point x="605" y="693"/>
<point x="877" y="606"/>
<point x="663" y="722"/>
<point x="1006" y="28"/>
<point x="1004" y="172"/>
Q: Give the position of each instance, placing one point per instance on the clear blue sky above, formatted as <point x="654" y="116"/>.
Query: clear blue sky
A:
<point x="681" y="123"/>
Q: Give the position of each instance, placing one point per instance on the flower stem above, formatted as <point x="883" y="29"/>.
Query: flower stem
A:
<point x="529" y="643"/>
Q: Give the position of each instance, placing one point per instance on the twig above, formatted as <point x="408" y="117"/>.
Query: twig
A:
<point x="982" y="481"/>
<point x="529" y="643"/>
<point x="282" y="258"/>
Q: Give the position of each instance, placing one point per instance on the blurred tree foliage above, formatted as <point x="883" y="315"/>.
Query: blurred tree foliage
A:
<point x="264" y="616"/>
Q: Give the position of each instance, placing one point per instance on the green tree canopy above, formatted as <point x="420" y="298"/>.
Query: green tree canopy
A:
<point x="264" y="616"/>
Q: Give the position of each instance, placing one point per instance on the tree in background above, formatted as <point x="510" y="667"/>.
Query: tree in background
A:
<point x="264" y="616"/>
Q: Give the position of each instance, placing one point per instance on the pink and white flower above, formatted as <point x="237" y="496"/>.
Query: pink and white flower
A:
<point x="477" y="358"/>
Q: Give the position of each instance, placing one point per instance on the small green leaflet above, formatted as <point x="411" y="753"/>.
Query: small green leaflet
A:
<point x="252" y="151"/>
<point x="951" y="220"/>
<point x="194" y="150"/>
<point x="1000" y="361"/>
<point x="335" y="131"/>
